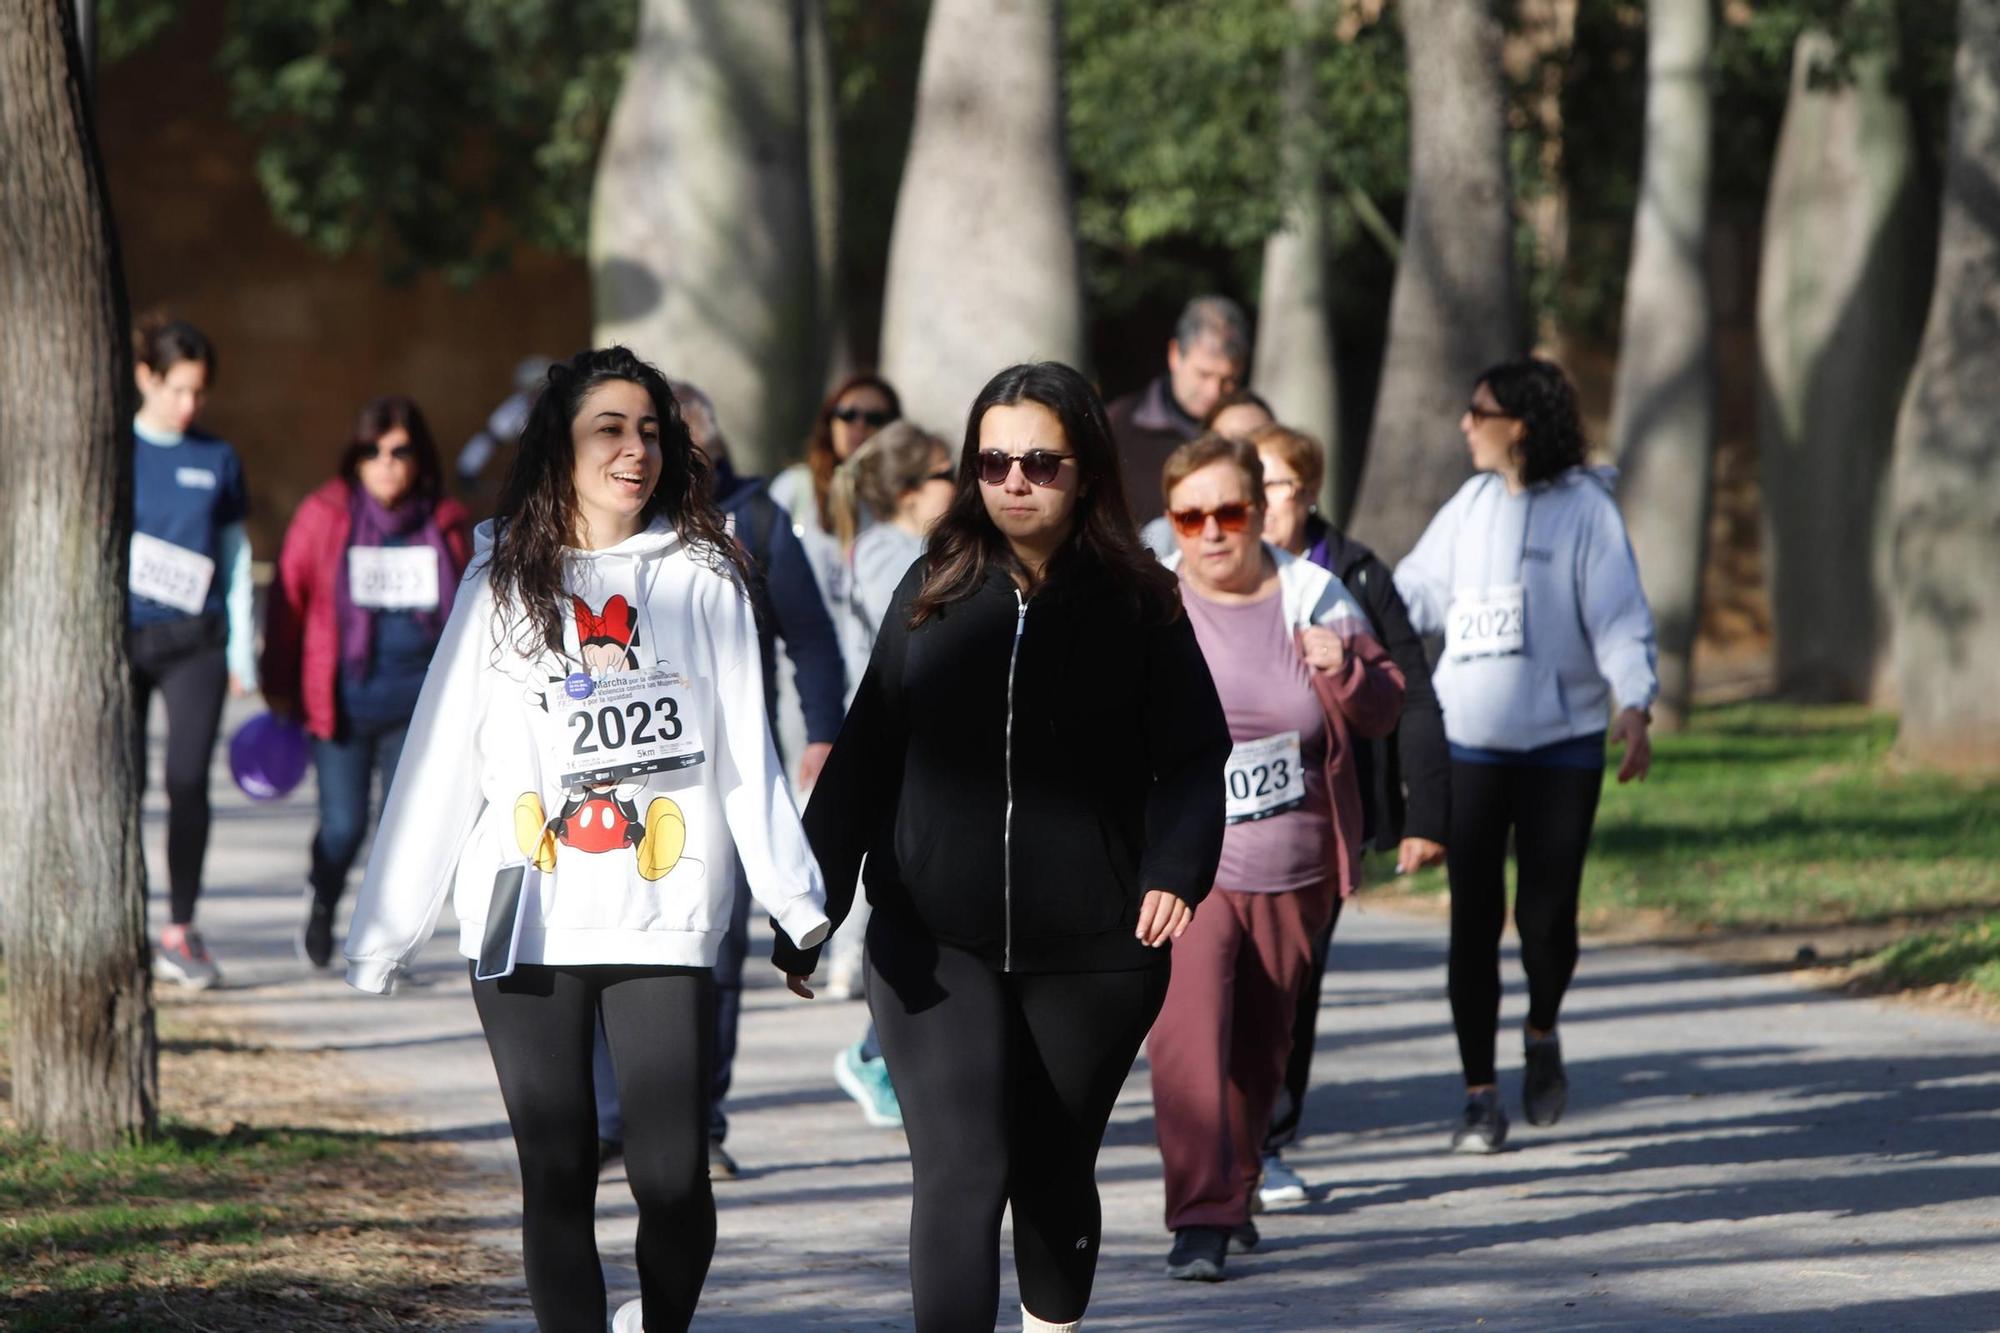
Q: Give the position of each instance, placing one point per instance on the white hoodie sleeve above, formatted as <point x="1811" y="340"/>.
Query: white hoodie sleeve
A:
<point x="431" y="806"/>
<point x="1612" y="605"/>
<point x="1424" y="576"/>
<point x="756" y="800"/>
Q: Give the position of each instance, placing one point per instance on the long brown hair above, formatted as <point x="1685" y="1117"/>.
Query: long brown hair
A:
<point x="965" y="543"/>
<point x="820" y="457"/>
<point x="536" y="522"/>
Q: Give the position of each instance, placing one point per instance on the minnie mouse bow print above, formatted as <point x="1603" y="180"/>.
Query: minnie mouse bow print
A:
<point x="604" y="638"/>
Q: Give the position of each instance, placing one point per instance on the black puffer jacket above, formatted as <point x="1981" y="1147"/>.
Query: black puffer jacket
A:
<point x="1020" y="771"/>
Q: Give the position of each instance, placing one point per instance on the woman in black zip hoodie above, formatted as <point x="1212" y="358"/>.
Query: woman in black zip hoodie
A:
<point x="1033" y="770"/>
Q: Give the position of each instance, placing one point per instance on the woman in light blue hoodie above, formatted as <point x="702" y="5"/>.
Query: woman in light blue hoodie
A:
<point x="1529" y="578"/>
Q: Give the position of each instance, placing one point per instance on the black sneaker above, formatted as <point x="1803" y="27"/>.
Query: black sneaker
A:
<point x="1198" y="1254"/>
<point x="1244" y="1238"/>
<point x="316" y="935"/>
<point x="1482" y="1127"/>
<point x="1545" y="1088"/>
<point x="721" y="1166"/>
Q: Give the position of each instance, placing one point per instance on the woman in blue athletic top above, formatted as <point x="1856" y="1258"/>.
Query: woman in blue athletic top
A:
<point x="191" y="613"/>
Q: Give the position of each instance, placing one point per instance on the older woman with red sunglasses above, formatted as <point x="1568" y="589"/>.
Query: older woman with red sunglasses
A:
<point x="1300" y="675"/>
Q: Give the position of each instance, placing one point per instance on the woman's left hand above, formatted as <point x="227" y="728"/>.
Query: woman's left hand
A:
<point x="1323" y="649"/>
<point x="1629" y="730"/>
<point x="796" y="984"/>
<point x="1162" y="917"/>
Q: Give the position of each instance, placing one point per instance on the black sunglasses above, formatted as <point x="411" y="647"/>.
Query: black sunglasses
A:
<point x="1478" y="413"/>
<point x="1039" y="466"/>
<point x="942" y="474"/>
<point x="402" y="453"/>
<point x="873" y="416"/>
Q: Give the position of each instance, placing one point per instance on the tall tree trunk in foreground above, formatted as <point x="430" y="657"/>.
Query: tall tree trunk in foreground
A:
<point x="1848" y="235"/>
<point x="1453" y="312"/>
<point x="983" y="267"/>
<point x="85" y="1064"/>
<point x="1294" y="368"/>
<point x="702" y="234"/>
<point x="1663" y="429"/>
<point x="1945" y="515"/>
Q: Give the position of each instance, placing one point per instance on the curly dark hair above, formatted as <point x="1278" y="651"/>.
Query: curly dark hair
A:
<point x="1536" y="393"/>
<point x="965" y="541"/>
<point x="536" y="522"/>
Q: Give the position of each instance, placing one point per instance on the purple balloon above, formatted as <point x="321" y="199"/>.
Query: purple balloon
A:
<point x="268" y="757"/>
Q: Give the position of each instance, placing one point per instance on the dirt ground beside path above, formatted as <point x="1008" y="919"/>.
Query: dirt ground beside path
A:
<point x="276" y="1199"/>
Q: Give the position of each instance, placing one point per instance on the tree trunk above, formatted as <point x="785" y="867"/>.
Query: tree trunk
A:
<point x="1663" y="429"/>
<point x="1945" y="527"/>
<point x="85" y="1070"/>
<point x="1453" y="312"/>
<point x="983" y="267"/>
<point x="702" y="231"/>
<point x="1294" y="368"/>
<point x="823" y="167"/>
<point x="1841" y="286"/>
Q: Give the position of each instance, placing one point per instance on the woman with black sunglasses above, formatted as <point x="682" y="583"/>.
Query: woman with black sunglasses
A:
<point x="364" y="586"/>
<point x="1033" y="770"/>
<point x="859" y="405"/>
<point x="1528" y="576"/>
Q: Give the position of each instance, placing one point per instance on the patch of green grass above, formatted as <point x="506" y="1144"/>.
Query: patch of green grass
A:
<point x="1770" y="814"/>
<point x="1965" y="953"/>
<point x="70" y="1217"/>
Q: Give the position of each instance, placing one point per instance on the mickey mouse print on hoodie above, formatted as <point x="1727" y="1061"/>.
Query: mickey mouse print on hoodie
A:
<point x="645" y="737"/>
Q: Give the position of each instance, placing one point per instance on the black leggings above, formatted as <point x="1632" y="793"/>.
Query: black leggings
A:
<point x="660" y="1022"/>
<point x="1006" y="1082"/>
<point x="183" y="660"/>
<point x="1550" y="812"/>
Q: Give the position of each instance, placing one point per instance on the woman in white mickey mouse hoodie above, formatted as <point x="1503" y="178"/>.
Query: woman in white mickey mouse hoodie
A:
<point x="592" y="727"/>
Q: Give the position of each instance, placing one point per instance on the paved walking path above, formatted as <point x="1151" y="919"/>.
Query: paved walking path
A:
<point x="1737" y="1149"/>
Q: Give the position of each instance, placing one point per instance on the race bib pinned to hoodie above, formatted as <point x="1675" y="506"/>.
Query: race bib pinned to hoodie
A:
<point x="1487" y="622"/>
<point x="626" y="724"/>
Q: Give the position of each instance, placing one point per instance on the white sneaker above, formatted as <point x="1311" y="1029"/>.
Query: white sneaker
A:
<point x="627" y="1318"/>
<point x="1280" y="1185"/>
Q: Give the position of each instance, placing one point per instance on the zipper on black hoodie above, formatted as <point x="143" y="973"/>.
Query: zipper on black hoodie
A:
<point x="1007" y="825"/>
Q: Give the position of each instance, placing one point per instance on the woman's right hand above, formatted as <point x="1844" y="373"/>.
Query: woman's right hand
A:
<point x="1322" y="649"/>
<point x="281" y="705"/>
<point x="796" y="984"/>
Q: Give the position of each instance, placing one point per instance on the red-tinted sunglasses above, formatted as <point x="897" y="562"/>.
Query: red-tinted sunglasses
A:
<point x="1040" y="466"/>
<point x="1231" y="517"/>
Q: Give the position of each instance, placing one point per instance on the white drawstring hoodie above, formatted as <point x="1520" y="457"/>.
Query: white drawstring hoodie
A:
<point x="641" y="871"/>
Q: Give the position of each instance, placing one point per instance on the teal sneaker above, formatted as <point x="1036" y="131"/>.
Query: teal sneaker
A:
<point x="867" y="1082"/>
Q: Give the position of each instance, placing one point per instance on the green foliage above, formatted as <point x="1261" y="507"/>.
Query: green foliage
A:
<point x="434" y="133"/>
<point x="128" y="26"/>
<point x="1174" y="123"/>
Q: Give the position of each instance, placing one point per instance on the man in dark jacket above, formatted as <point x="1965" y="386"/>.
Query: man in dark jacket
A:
<point x="789" y="611"/>
<point x="1208" y="356"/>
<point x="1413" y="758"/>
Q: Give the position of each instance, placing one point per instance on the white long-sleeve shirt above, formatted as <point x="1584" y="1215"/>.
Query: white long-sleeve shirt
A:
<point x="1588" y="633"/>
<point x="643" y="868"/>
